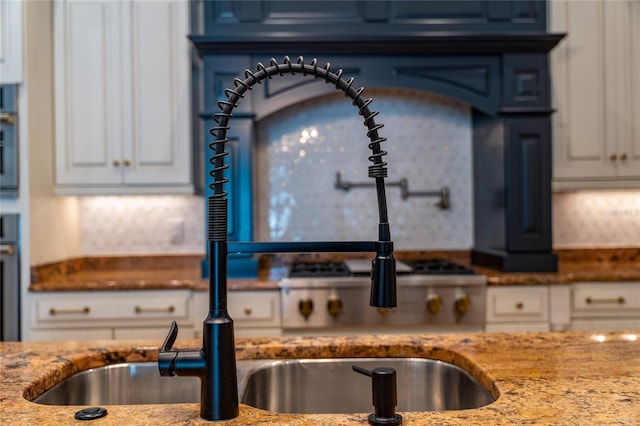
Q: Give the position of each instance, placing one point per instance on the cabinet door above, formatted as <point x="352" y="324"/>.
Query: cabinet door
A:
<point x="629" y="151"/>
<point x="122" y="97"/>
<point x="596" y="94"/>
<point x="10" y="41"/>
<point x="88" y="89"/>
<point x="156" y="119"/>
<point x="578" y="68"/>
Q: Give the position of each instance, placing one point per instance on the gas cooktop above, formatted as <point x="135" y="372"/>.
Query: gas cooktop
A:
<point x="318" y="270"/>
<point x="439" y="267"/>
<point x="360" y="267"/>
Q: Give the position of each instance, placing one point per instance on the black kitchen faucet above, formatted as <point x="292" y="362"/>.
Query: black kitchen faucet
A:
<point x="215" y="363"/>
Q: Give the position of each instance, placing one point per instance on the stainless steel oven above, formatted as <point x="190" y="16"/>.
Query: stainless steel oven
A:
<point x="333" y="298"/>
<point x="8" y="142"/>
<point x="9" y="277"/>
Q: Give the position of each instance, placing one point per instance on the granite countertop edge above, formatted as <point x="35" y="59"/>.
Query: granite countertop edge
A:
<point x="183" y="272"/>
<point x="539" y="378"/>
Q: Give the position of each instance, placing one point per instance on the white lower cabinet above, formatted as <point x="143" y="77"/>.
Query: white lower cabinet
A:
<point x="605" y="306"/>
<point x="517" y="308"/>
<point x="71" y="334"/>
<point x="109" y="315"/>
<point x="255" y="313"/>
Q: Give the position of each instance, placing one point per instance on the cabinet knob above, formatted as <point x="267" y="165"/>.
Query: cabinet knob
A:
<point x="623" y="156"/>
<point x="248" y="311"/>
<point x="613" y="157"/>
<point x="519" y="305"/>
<point x="116" y="163"/>
<point x="126" y="163"/>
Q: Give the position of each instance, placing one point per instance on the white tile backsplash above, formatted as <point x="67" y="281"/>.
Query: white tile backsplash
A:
<point x="596" y="219"/>
<point x="117" y="225"/>
<point x="300" y="150"/>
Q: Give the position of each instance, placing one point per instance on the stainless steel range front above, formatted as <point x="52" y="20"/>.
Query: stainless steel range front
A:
<point x="433" y="295"/>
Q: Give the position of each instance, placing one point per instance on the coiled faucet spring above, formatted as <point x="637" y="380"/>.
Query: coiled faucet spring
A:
<point x="377" y="170"/>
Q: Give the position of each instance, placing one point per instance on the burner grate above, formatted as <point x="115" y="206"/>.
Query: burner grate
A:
<point x="439" y="267"/>
<point x="318" y="269"/>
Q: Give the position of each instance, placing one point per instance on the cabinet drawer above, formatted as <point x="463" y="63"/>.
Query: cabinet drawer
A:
<point x="605" y="299"/>
<point x="160" y="333"/>
<point x="517" y="304"/>
<point x="90" y="309"/>
<point x="71" y="334"/>
<point x="255" y="308"/>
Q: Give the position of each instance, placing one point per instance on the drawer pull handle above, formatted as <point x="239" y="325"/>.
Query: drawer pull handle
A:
<point x="141" y="310"/>
<point x="248" y="311"/>
<point x="7" y="249"/>
<point x="519" y="305"/>
<point x="54" y="311"/>
<point x="6" y="117"/>
<point x="620" y="300"/>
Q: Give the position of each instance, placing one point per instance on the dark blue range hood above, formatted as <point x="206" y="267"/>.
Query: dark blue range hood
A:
<point x="493" y="55"/>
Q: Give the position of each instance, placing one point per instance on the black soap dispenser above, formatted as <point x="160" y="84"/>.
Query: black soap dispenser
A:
<point x="385" y="395"/>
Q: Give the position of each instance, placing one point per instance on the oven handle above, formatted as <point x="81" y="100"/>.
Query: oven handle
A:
<point x="6" y="117"/>
<point x="7" y="249"/>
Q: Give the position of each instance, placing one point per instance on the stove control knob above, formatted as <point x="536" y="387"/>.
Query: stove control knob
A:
<point x="334" y="306"/>
<point x="434" y="303"/>
<point x="462" y="303"/>
<point x="305" y="307"/>
<point x="384" y="311"/>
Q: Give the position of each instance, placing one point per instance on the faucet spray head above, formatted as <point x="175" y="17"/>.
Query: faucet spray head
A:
<point x="383" y="281"/>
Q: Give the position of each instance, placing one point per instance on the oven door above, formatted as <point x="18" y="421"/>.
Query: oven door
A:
<point x="9" y="278"/>
<point x="8" y="142"/>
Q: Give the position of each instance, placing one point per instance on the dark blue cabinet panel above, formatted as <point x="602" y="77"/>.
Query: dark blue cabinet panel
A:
<point x="512" y="197"/>
<point x="492" y="55"/>
<point x="429" y="15"/>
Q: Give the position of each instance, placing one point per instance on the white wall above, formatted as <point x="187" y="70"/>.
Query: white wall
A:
<point x="52" y="221"/>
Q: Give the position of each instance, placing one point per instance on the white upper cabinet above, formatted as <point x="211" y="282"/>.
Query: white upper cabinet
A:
<point x="10" y="41"/>
<point x="122" y="97"/>
<point x="596" y="92"/>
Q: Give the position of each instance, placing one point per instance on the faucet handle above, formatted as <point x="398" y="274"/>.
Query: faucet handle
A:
<point x="167" y="357"/>
<point x="171" y="338"/>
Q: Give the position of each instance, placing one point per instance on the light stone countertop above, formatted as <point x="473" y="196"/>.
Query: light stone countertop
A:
<point x="570" y="378"/>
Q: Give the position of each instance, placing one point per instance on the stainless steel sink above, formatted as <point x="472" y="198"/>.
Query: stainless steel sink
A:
<point x="330" y="386"/>
<point x="286" y="386"/>
<point x="122" y="384"/>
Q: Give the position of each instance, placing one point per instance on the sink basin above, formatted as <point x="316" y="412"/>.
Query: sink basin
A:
<point x="122" y="384"/>
<point x="330" y="386"/>
<point x="286" y="386"/>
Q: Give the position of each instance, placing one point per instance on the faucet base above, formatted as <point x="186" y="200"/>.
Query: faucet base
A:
<point x="219" y="386"/>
